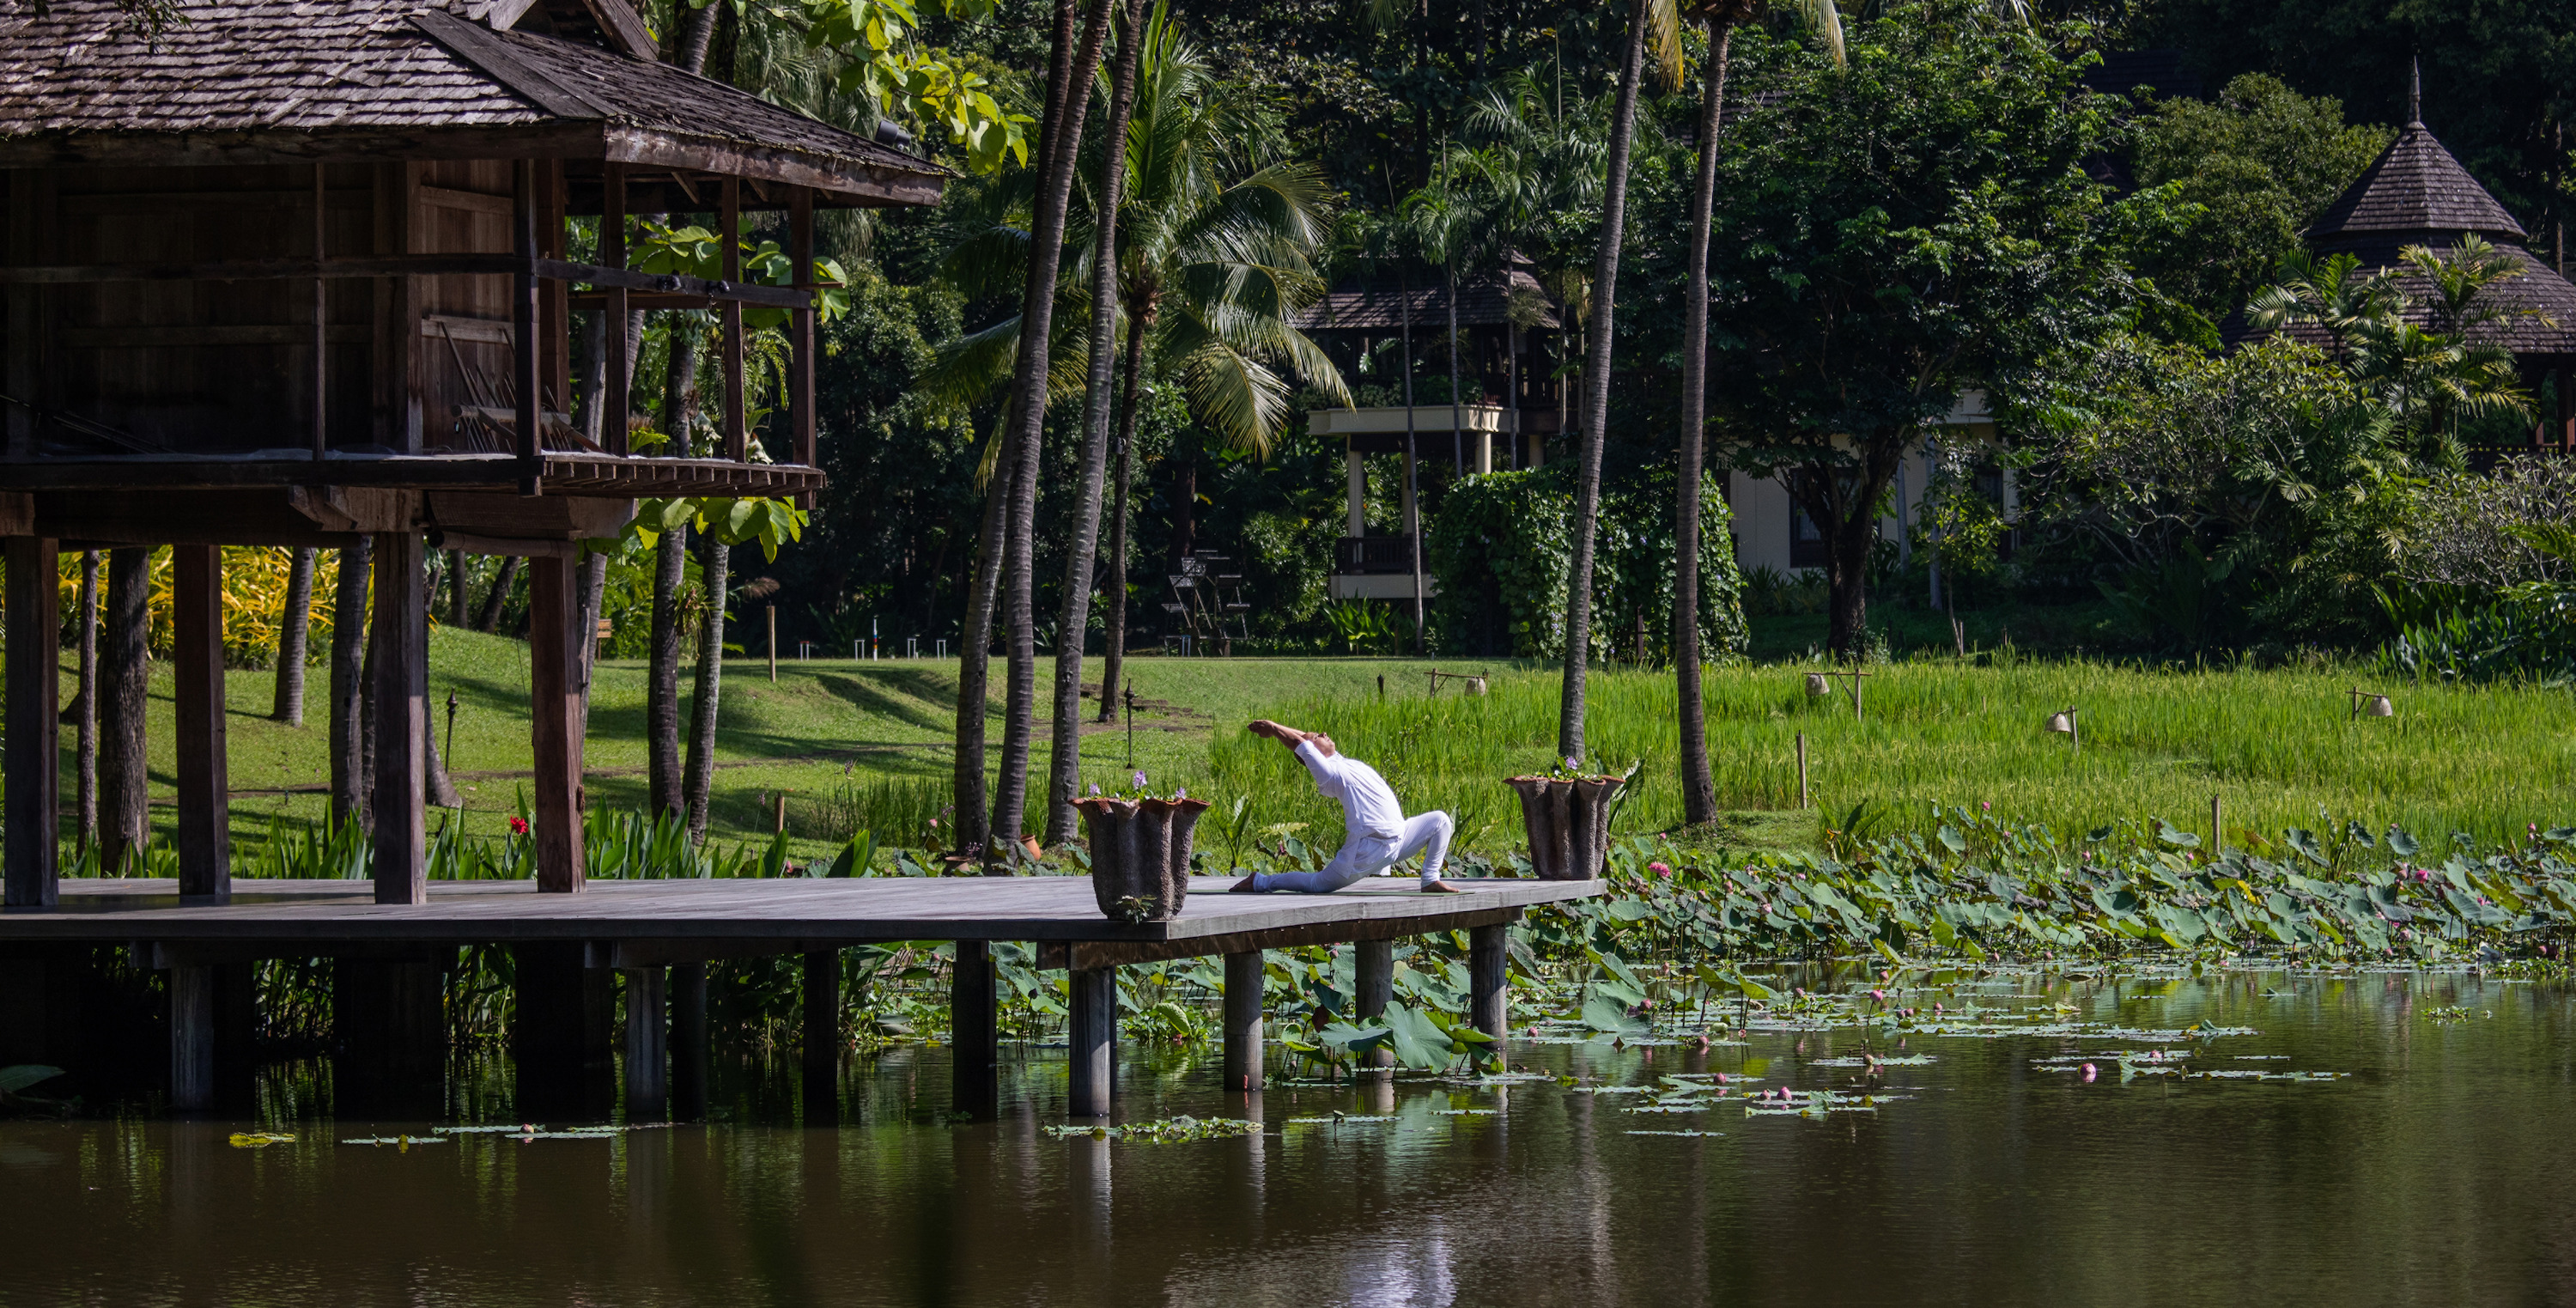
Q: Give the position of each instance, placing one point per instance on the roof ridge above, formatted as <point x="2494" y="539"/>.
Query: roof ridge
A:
<point x="2415" y="185"/>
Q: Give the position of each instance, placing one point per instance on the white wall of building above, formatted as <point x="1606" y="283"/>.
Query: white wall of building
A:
<point x="1761" y="507"/>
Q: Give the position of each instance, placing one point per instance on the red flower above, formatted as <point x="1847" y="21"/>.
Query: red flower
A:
<point x="518" y="825"/>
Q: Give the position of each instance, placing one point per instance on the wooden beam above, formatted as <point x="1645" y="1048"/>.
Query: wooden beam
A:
<point x="1373" y="971"/>
<point x="1243" y="1034"/>
<point x="399" y="384"/>
<point x="648" y="1052"/>
<point x="856" y="184"/>
<point x="197" y="667"/>
<point x="1083" y="954"/>
<point x="800" y="337"/>
<point x="615" y="382"/>
<point x="523" y="322"/>
<point x="1489" y="1000"/>
<point x="1091" y="1043"/>
<point x="736" y="438"/>
<point x="32" y="744"/>
<point x="487" y="51"/>
<point x="688" y="995"/>
<point x="974" y="1033"/>
<point x="554" y="317"/>
<point x="400" y="637"/>
<point x="623" y="27"/>
<point x="553" y="676"/>
<point x="321" y="324"/>
<point x="31" y="201"/>
<point x="192" y="1038"/>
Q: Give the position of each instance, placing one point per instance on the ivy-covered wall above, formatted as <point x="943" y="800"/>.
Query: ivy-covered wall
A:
<point x="1502" y="545"/>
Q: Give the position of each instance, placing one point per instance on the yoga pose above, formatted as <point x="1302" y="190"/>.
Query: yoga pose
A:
<point x="1376" y="836"/>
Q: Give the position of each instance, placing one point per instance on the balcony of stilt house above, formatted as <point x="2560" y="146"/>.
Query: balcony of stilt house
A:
<point x="302" y="273"/>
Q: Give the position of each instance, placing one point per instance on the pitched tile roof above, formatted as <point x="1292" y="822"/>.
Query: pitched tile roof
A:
<point x="2414" y="188"/>
<point x="308" y="70"/>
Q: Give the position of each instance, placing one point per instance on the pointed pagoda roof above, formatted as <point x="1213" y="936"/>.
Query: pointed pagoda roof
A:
<point x="2414" y="193"/>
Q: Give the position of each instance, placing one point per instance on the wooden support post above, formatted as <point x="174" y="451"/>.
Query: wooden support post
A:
<point x="736" y="439"/>
<point x="321" y="324"/>
<point x="523" y="325"/>
<point x="688" y="997"/>
<point x="192" y="1038"/>
<point x="648" y="1046"/>
<point x="391" y="1021"/>
<point x="1091" y="1042"/>
<point x="800" y="331"/>
<point x="615" y="381"/>
<point x="1373" y="969"/>
<point x="197" y="621"/>
<point x="1489" y="999"/>
<point x="1243" y="981"/>
<point x="554" y="295"/>
<point x="32" y="793"/>
<point x="772" y="610"/>
<point x="400" y="651"/>
<point x="236" y="1067"/>
<point x="821" y="1039"/>
<point x="975" y="1035"/>
<point x="561" y="1040"/>
<point x="553" y="673"/>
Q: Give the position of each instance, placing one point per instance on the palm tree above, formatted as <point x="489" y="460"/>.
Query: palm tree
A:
<point x="1216" y="248"/>
<point x="1699" y="787"/>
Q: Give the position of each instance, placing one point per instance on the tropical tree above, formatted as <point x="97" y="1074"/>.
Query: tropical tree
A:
<point x="1215" y="249"/>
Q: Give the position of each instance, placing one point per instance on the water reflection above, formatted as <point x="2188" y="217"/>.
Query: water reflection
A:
<point x="2432" y="1173"/>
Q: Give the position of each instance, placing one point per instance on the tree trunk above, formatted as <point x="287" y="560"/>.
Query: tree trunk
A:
<point x="1596" y="390"/>
<point x="1185" y="495"/>
<point x="662" y="690"/>
<point x="970" y="826"/>
<point x="1699" y="788"/>
<point x="593" y="345"/>
<point x="349" y="775"/>
<point x="456" y="584"/>
<point x="490" y="618"/>
<point x="715" y="561"/>
<point x="125" y="667"/>
<point x="1064" y="755"/>
<point x="294" y="627"/>
<point x="1113" y="667"/>
<point x="679" y="382"/>
<point x="435" y="788"/>
<point x="85" y="725"/>
<point x="1844" y="503"/>
<point x="1068" y="95"/>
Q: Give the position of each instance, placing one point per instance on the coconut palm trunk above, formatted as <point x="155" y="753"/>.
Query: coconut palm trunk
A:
<point x="1596" y="387"/>
<point x="293" y="630"/>
<point x="715" y="560"/>
<point x="125" y="671"/>
<point x="493" y="600"/>
<point x="969" y="825"/>
<point x="1699" y="788"/>
<point x="662" y="690"/>
<point x="1069" y="99"/>
<point x="1064" y="756"/>
<point x="1113" y="665"/>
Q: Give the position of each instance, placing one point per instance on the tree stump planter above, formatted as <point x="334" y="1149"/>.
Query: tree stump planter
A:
<point x="1140" y="855"/>
<point x="1568" y="820"/>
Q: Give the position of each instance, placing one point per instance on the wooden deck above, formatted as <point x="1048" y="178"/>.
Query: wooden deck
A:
<point x="719" y="917"/>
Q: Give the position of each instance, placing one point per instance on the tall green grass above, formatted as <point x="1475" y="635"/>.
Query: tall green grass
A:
<point x="2277" y="746"/>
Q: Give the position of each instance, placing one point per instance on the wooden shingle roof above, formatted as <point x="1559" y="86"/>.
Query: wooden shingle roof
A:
<point x="1380" y="304"/>
<point x="268" y="80"/>
<point x="2414" y="189"/>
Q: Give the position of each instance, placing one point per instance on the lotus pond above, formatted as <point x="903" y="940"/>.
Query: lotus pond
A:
<point x="2103" y="1132"/>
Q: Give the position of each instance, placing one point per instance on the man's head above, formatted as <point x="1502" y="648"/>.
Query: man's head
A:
<point x="1323" y="743"/>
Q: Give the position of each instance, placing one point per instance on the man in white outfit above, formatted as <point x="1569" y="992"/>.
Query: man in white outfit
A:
<point x="1376" y="833"/>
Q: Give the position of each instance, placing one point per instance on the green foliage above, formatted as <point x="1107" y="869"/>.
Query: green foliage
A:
<point x="884" y="60"/>
<point x="1502" y="544"/>
<point x="2246" y="173"/>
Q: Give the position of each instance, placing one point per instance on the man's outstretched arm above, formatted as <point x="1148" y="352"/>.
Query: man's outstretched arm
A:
<point x="1290" y="736"/>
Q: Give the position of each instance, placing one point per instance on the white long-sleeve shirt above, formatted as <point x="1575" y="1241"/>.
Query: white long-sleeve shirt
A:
<point x="1369" y="808"/>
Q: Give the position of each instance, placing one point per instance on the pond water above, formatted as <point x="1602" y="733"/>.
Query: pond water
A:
<point x="2375" y="1139"/>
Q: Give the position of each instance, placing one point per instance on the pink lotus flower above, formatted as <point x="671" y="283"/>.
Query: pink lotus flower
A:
<point x="1878" y="995"/>
<point x="1659" y="869"/>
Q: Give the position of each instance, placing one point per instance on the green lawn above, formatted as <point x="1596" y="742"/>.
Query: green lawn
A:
<point x="865" y="744"/>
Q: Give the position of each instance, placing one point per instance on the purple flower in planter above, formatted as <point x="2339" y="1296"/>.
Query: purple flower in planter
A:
<point x="1140" y="781"/>
<point x="1095" y="789"/>
<point x="1180" y="792"/>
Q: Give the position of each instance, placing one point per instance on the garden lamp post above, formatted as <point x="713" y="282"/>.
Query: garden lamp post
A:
<point x="449" y="758"/>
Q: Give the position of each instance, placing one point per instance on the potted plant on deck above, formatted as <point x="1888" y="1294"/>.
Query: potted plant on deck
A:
<point x="1566" y="812"/>
<point x="1140" y="851"/>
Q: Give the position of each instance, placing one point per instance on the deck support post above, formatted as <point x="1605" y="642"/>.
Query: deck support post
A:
<point x="205" y="828"/>
<point x="392" y="1025"/>
<point x="820" y="1044"/>
<point x="33" y="787"/>
<point x="688" y="999"/>
<point x="554" y="672"/>
<point x="975" y="1035"/>
<point x="648" y="1046"/>
<point x="729" y="222"/>
<point x="1243" y="981"/>
<point x="1373" y="969"/>
<point x="561" y="1042"/>
<point x="1489" y="1000"/>
<point x="617" y="377"/>
<point x="192" y="1038"/>
<point x="1091" y="1042"/>
<point x="400" y="639"/>
<point x="800" y="331"/>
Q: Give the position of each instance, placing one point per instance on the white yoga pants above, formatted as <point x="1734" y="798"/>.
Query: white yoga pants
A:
<point x="1362" y="856"/>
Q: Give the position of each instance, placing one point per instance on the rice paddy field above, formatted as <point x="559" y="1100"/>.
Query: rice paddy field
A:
<point x="854" y="746"/>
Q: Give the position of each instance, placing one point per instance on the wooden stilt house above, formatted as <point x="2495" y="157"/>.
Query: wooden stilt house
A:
<point x="296" y="272"/>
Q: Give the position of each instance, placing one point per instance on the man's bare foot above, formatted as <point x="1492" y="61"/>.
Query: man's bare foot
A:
<point x="1442" y="888"/>
<point x="1243" y="887"/>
